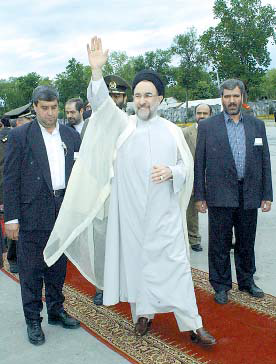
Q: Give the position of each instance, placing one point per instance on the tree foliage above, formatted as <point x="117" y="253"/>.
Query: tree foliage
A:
<point x="73" y="81"/>
<point x="237" y="46"/>
<point x="17" y="91"/>
<point x="187" y="48"/>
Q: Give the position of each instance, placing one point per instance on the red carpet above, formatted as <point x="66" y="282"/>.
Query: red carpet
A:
<point x="244" y="335"/>
<point x="245" y="328"/>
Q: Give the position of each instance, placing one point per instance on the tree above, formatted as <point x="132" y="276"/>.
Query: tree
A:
<point x="73" y="81"/>
<point x="237" y="46"/>
<point x="115" y="63"/>
<point x="17" y="91"/>
<point x="186" y="46"/>
<point x="268" y="84"/>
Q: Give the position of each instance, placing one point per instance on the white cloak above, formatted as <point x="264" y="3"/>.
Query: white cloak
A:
<point x="147" y="246"/>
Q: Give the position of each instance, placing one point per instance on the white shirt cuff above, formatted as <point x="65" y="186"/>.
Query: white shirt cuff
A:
<point x="15" y="221"/>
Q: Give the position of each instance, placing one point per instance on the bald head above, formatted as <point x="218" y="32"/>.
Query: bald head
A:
<point x="202" y="111"/>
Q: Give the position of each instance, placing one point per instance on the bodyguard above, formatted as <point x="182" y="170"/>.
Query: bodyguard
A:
<point x="38" y="161"/>
<point x="232" y="180"/>
<point x="202" y="111"/>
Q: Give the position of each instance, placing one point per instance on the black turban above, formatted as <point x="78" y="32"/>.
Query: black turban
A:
<point x="152" y="76"/>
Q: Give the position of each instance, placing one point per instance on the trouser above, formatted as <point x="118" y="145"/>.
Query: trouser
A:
<point x="221" y="222"/>
<point x="33" y="271"/>
<point x="1" y="249"/>
<point x="99" y="236"/>
<point x="192" y="222"/>
<point x="11" y="254"/>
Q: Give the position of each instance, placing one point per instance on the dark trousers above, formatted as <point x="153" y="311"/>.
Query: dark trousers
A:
<point x="1" y="249"/>
<point x="33" y="271"/>
<point x="11" y="254"/>
<point x="221" y="222"/>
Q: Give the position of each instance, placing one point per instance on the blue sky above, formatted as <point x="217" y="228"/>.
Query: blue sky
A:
<point x="41" y="36"/>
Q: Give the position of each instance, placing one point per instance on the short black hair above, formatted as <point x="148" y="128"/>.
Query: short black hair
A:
<point x="78" y="101"/>
<point x="45" y="93"/>
<point x="203" y="103"/>
<point x="230" y="85"/>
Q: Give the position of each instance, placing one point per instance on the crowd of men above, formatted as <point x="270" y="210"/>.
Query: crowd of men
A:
<point x="143" y="182"/>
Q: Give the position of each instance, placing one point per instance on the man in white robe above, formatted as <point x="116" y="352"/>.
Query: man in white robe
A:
<point x="145" y="163"/>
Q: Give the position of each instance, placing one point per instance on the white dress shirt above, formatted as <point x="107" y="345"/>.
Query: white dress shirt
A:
<point x="79" y="126"/>
<point x="56" y="151"/>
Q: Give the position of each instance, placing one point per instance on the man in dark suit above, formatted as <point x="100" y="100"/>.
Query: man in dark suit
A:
<point x="38" y="161"/>
<point x="232" y="179"/>
<point x="202" y="111"/>
<point x="74" y="109"/>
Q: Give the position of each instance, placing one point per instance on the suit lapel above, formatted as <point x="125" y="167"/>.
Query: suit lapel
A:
<point x="36" y="142"/>
<point x="249" y="140"/>
<point x="223" y="140"/>
<point x="67" y="141"/>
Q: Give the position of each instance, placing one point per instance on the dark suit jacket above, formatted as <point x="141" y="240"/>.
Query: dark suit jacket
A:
<point x="216" y="178"/>
<point x="28" y="191"/>
<point x="3" y="142"/>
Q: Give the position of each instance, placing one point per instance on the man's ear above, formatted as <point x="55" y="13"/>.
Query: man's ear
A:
<point x="161" y="98"/>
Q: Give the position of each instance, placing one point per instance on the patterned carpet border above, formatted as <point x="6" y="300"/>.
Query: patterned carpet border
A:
<point x="118" y="332"/>
<point x="266" y="305"/>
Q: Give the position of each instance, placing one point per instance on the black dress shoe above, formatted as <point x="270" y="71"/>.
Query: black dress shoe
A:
<point x="35" y="333"/>
<point x="197" y="248"/>
<point x="142" y="326"/>
<point x="98" y="298"/>
<point x="221" y="297"/>
<point x="203" y="337"/>
<point x="253" y="290"/>
<point x="64" y="319"/>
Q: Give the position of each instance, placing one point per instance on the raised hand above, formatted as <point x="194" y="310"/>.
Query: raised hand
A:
<point x="96" y="56"/>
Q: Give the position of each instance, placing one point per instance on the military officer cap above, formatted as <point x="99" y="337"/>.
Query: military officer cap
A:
<point x="20" y="112"/>
<point x="116" y="84"/>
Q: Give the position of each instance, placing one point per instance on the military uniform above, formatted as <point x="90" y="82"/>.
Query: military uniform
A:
<point x="190" y="134"/>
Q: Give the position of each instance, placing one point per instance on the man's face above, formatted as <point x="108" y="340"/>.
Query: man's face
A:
<point x="73" y="116"/>
<point x="202" y="112"/>
<point x="119" y="99"/>
<point x="232" y="101"/>
<point x="47" y="113"/>
<point x="22" y="121"/>
<point x="146" y="100"/>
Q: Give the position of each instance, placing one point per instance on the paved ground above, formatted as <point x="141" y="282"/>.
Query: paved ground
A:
<point x="77" y="346"/>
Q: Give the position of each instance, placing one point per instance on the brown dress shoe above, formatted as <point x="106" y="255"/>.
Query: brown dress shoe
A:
<point x="202" y="337"/>
<point x="142" y="326"/>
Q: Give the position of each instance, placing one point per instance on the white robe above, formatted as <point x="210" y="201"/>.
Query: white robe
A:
<point x="146" y="259"/>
